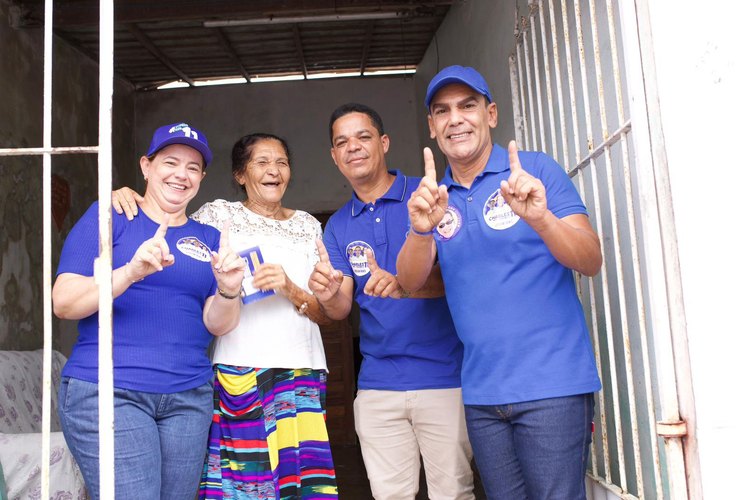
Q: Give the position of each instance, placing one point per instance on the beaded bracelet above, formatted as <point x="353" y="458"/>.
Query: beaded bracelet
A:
<point x="223" y="294"/>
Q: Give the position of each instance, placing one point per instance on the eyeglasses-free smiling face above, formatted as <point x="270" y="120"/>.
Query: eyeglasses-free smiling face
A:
<point x="174" y="175"/>
<point x="461" y="121"/>
<point x="358" y="149"/>
<point x="267" y="173"/>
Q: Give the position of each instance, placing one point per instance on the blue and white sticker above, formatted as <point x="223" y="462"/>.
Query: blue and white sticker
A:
<point x="194" y="248"/>
<point x="450" y="224"/>
<point x="356" y="254"/>
<point x="497" y="213"/>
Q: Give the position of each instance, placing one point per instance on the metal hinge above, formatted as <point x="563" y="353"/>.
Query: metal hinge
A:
<point x="672" y="429"/>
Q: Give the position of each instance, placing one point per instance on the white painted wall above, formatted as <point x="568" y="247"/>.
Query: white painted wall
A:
<point x="298" y="111"/>
<point x="695" y="58"/>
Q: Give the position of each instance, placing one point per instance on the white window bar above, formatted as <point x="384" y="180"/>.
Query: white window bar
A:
<point x="103" y="266"/>
<point x="532" y="115"/>
<point x="521" y="102"/>
<point x="548" y="81"/>
<point x="570" y="80"/>
<point x="103" y="271"/>
<point x="538" y="87"/>
<point x="558" y="82"/>
<point x="596" y="344"/>
<point x="48" y="36"/>
<point x="515" y="98"/>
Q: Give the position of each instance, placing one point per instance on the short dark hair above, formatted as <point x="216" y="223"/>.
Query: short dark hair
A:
<point x="243" y="150"/>
<point x="354" y="107"/>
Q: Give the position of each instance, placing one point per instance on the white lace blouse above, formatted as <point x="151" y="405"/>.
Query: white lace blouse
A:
<point x="271" y="333"/>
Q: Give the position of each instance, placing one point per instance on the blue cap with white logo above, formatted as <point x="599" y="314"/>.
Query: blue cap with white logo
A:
<point x="180" y="133"/>
<point x="457" y="74"/>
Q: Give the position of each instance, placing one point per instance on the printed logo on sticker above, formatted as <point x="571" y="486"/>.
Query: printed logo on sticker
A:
<point x="450" y="224"/>
<point x="497" y="213"/>
<point x="355" y="252"/>
<point x="194" y="248"/>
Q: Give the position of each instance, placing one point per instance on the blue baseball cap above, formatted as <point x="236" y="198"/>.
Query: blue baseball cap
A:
<point x="457" y="74"/>
<point x="180" y="133"/>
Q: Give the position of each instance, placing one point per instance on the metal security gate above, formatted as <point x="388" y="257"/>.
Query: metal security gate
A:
<point x="578" y="85"/>
<point x="103" y="267"/>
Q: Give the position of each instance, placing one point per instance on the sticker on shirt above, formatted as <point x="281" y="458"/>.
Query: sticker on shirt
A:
<point x="194" y="248"/>
<point x="356" y="253"/>
<point x="450" y="224"/>
<point x="497" y="213"/>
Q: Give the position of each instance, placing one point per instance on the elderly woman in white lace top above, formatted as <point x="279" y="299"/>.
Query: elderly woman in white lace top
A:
<point x="268" y="435"/>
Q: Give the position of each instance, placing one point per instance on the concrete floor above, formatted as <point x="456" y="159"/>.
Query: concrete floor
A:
<point x="352" y="481"/>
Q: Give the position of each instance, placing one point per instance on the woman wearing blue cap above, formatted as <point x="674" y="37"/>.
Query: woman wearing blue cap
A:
<point x="268" y="438"/>
<point x="175" y="283"/>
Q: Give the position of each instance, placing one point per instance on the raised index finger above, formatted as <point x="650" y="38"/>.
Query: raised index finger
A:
<point x="161" y="231"/>
<point x="372" y="264"/>
<point x="429" y="169"/>
<point x="225" y="234"/>
<point x="324" y="257"/>
<point x="514" y="163"/>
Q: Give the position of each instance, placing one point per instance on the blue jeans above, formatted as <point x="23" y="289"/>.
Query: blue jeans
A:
<point x="160" y="439"/>
<point x="536" y="449"/>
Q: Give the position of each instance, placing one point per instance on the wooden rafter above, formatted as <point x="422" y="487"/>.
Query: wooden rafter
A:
<point x="222" y="38"/>
<point x="366" y="46"/>
<point x="299" y="49"/>
<point x="151" y="47"/>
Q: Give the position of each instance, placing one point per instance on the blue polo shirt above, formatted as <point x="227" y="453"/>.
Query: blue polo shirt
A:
<point x="514" y="305"/>
<point x="407" y="344"/>
<point x="159" y="337"/>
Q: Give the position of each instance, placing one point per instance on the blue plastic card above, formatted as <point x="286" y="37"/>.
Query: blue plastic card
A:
<point x="253" y="258"/>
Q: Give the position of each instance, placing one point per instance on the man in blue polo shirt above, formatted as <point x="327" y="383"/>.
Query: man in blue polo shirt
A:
<point x="509" y="229"/>
<point x="409" y="401"/>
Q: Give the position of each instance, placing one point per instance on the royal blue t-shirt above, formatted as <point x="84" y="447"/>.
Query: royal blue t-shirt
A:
<point x="159" y="337"/>
<point x="514" y="305"/>
<point x="407" y="344"/>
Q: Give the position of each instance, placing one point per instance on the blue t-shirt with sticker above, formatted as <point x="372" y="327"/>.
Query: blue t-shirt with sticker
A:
<point x="407" y="344"/>
<point x="515" y="306"/>
<point x="159" y="337"/>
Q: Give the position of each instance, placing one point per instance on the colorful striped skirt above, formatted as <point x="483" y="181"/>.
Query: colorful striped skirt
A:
<point x="268" y="438"/>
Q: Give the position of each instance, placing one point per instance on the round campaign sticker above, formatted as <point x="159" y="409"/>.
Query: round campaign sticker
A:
<point x="355" y="252"/>
<point x="194" y="248"/>
<point x="450" y="224"/>
<point x="497" y="213"/>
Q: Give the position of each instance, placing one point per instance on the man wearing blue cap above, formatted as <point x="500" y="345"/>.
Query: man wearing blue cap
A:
<point x="513" y="231"/>
<point x="409" y="402"/>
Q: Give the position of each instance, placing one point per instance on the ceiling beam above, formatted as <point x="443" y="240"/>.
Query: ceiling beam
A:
<point x="86" y="12"/>
<point x="366" y="46"/>
<point x="222" y="38"/>
<point x="151" y="47"/>
<point x="299" y="50"/>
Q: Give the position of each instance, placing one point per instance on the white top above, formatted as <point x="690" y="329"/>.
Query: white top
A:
<point x="271" y="333"/>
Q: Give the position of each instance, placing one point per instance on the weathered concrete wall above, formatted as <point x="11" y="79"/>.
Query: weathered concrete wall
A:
<point x="478" y="34"/>
<point x="75" y="116"/>
<point x="299" y="111"/>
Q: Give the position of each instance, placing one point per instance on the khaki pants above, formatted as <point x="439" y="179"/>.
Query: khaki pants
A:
<point x="395" y="427"/>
